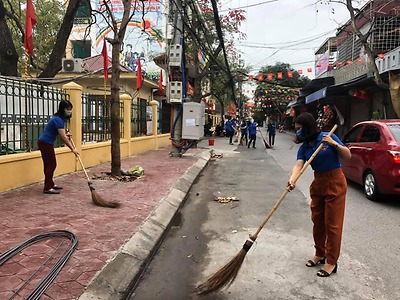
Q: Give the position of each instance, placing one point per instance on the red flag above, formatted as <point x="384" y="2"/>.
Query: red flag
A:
<point x="139" y="76"/>
<point x="105" y="60"/>
<point x="160" y="81"/>
<point x="29" y="23"/>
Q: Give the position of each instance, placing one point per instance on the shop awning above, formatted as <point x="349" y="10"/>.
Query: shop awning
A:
<point x="316" y="95"/>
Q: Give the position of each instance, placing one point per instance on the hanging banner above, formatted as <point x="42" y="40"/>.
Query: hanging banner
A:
<point x="322" y="62"/>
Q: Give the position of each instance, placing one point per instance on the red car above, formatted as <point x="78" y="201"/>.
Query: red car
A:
<point x="375" y="157"/>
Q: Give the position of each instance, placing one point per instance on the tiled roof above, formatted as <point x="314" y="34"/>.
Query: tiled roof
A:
<point x="94" y="64"/>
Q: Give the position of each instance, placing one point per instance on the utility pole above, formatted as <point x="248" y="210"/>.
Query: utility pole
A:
<point x="176" y="73"/>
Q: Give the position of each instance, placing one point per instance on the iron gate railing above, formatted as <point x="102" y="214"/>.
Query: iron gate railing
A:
<point x="24" y="112"/>
<point x="96" y="118"/>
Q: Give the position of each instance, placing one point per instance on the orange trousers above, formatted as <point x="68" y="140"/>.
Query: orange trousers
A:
<point x="328" y="197"/>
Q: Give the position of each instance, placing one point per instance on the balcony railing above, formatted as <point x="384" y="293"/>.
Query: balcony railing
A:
<point x="389" y="62"/>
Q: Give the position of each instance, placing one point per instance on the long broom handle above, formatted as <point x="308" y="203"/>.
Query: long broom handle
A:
<point x="80" y="160"/>
<point x="259" y="130"/>
<point x="287" y="190"/>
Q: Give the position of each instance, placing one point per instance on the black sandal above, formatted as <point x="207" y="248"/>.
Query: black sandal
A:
<point x="312" y="263"/>
<point x="323" y="273"/>
<point x="51" y="191"/>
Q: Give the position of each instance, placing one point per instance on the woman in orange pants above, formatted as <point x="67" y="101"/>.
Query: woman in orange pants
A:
<point x="327" y="191"/>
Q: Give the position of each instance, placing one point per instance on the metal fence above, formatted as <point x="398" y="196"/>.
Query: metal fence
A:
<point x="138" y="118"/>
<point x="96" y="119"/>
<point x="24" y="112"/>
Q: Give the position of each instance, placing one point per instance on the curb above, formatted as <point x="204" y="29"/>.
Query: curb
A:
<point x="114" y="281"/>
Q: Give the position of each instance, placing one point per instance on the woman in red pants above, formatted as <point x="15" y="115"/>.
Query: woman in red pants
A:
<point x="327" y="191"/>
<point x="46" y="141"/>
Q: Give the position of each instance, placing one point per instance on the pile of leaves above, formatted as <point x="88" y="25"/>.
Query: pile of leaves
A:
<point x="126" y="176"/>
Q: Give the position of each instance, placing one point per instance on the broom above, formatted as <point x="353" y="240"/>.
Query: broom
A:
<point x="265" y="142"/>
<point x="227" y="274"/>
<point x="97" y="200"/>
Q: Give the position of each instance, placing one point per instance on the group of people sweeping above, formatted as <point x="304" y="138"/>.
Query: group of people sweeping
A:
<point x="328" y="190"/>
<point x="247" y="131"/>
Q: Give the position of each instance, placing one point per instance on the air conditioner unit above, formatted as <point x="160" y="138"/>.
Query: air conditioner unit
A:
<point x="73" y="65"/>
<point x="175" y="91"/>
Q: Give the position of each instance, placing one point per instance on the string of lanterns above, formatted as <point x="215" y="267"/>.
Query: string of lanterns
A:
<point x="289" y="73"/>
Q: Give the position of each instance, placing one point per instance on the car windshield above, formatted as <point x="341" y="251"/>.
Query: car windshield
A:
<point x="395" y="130"/>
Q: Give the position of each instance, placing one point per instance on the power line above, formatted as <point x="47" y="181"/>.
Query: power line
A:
<point x="247" y="6"/>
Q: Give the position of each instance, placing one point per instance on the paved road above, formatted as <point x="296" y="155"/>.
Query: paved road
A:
<point x="208" y="234"/>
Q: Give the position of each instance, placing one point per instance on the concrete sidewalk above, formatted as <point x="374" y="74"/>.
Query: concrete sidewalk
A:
<point x="113" y="243"/>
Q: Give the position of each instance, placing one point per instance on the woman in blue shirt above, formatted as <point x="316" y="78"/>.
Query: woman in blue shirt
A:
<point x="46" y="141"/>
<point x="252" y="133"/>
<point x="327" y="191"/>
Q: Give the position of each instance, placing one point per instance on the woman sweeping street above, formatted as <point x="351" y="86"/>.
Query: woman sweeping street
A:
<point x="46" y="141"/>
<point x="327" y="191"/>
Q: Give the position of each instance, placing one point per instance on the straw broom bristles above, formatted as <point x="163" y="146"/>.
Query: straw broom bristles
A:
<point x="99" y="201"/>
<point x="227" y="274"/>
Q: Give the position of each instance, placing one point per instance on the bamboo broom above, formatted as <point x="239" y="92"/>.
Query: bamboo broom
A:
<point x="97" y="200"/>
<point x="227" y="274"/>
<point x="267" y="146"/>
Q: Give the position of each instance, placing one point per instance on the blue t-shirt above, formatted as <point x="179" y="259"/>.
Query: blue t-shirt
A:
<point x="229" y="125"/>
<point x="271" y="129"/>
<point x="253" y="128"/>
<point x="327" y="158"/>
<point x="50" y="132"/>
<point x="243" y="127"/>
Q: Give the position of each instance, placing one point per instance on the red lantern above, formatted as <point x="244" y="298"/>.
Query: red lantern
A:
<point x="360" y="60"/>
<point x="340" y="64"/>
<point x="290" y="74"/>
<point x="260" y="77"/>
<point x="309" y="70"/>
<point x="280" y="75"/>
<point x="300" y="72"/>
<point x="251" y="77"/>
<point x="269" y="76"/>
<point x="350" y="62"/>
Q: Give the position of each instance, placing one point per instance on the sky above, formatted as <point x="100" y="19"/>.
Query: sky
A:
<point x="294" y="29"/>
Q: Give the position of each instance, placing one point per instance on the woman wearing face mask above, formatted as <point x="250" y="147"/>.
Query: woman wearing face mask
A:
<point x="327" y="191"/>
<point x="46" y="141"/>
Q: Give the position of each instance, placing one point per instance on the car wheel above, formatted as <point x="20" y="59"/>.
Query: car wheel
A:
<point x="370" y="186"/>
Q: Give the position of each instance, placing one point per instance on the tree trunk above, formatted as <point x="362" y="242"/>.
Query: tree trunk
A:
<point x="8" y="54"/>
<point x="115" y="111"/>
<point x="55" y="61"/>
<point x="394" y="85"/>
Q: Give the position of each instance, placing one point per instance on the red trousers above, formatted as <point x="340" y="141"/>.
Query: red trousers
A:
<point x="328" y="197"/>
<point x="49" y="163"/>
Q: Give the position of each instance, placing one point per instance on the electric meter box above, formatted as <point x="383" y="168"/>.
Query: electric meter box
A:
<point x="193" y="120"/>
